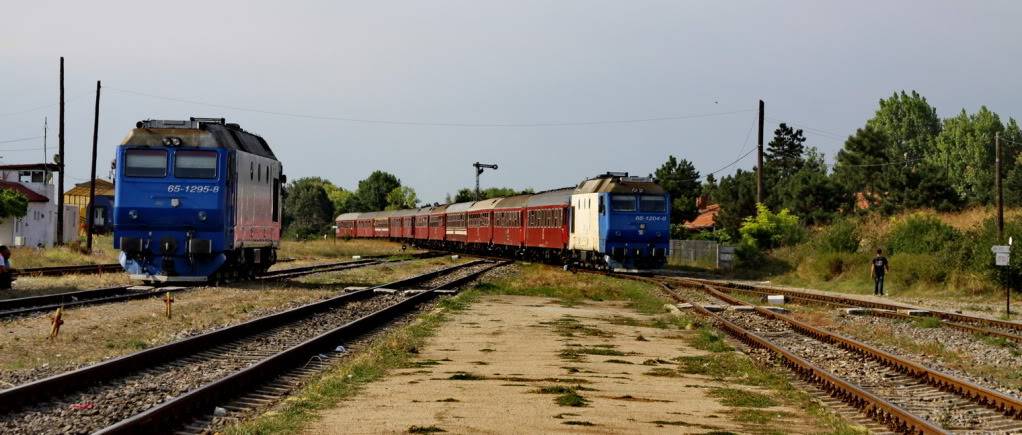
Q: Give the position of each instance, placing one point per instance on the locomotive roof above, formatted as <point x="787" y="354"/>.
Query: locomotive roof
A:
<point x="619" y="184"/>
<point x="517" y="201"/>
<point x="551" y="197"/>
<point x="198" y="132"/>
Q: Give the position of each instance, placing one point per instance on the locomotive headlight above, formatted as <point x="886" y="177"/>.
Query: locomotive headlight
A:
<point x="175" y="141"/>
<point x="175" y="202"/>
<point x="202" y="216"/>
<point x="133" y="214"/>
<point x="166" y="141"/>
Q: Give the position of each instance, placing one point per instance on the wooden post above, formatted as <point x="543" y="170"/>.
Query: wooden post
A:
<point x="169" y="300"/>
<point x="60" y="162"/>
<point x="55" y="323"/>
<point x="759" y="157"/>
<point x="92" y="189"/>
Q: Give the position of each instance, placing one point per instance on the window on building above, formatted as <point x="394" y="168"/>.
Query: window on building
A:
<point x="145" y="163"/>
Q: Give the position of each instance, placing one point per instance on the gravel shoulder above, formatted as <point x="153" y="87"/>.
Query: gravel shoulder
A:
<point x="517" y="363"/>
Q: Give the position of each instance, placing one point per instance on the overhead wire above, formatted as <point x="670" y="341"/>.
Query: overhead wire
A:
<point x="434" y="124"/>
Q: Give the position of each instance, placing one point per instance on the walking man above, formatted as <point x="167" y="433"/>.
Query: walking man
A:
<point x="6" y="271"/>
<point x="877" y="269"/>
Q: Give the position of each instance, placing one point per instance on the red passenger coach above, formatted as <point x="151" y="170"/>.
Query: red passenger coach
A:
<point x="364" y="225"/>
<point x="421" y="221"/>
<point x="437" y="223"/>
<point x="400" y="223"/>
<point x="457" y="222"/>
<point x="381" y="224"/>
<point x="507" y="221"/>
<point x="546" y="223"/>
<point x="346" y="225"/>
<point x="480" y="222"/>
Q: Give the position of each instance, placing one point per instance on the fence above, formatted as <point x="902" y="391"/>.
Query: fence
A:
<point x="703" y="253"/>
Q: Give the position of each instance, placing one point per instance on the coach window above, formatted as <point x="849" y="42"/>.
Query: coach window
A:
<point x="622" y="202"/>
<point x="652" y="203"/>
<point x="145" y="163"/>
<point x="195" y="164"/>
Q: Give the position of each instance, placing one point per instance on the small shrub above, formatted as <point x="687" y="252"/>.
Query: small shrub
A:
<point x="909" y="269"/>
<point x="921" y="233"/>
<point x="841" y="236"/>
<point x="768" y="230"/>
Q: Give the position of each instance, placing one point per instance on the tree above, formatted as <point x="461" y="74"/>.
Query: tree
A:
<point x="862" y="162"/>
<point x="736" y="195"/>
<point x="965" y="149"/>
<point x="681" y="180"/>
<point x="403" y="197"/>
<point x="785" y="151"/>
<point x="768" y="230"/>
<point x="12" y="204"/>
<point x="909" y="122"/>
<point x="372" y="192"/>
<point x="469" y="195"/>
<point x="307" y="209"/>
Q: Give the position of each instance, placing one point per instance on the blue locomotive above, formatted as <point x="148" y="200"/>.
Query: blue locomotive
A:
<point x="196" y="200"/>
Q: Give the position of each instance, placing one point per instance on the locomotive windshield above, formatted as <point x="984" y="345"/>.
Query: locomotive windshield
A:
<point x="652" y="203"/>
<point x="622" y="202"/>
<point x="195" y="164"/>
<point x="145" y="163"/>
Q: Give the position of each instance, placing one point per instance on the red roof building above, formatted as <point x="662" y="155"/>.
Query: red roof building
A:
<point x="20" y="188"/>
<point x="706" y="220"/>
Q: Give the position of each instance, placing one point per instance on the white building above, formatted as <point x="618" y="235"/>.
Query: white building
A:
<point x="39" y="226"/>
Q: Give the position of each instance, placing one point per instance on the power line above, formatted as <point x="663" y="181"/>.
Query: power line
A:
<point x="434" y="124"/>
<point x="801" y="126"/>
<point x="21" y="139"/>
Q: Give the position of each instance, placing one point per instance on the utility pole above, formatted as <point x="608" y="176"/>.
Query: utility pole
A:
<point x="92" y="187"/>
<point x="479" y="170"/>
<point x="46" y="171"/>
<point x="999" y="185"/>
<point x="759" y="158"/>
<point x="60" y="162"/>
<point x="1000" y="210"/>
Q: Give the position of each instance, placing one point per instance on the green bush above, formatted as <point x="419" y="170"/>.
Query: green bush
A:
<point x="830" y="265"/>
<point x="768" y="230"/>
<point x="840" y="236"/>
<point x="921" y="233"/>
<point x="975" y="255"/>
<point x="910" y="269"/>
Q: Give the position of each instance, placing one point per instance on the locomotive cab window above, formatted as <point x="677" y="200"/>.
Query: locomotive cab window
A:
<point x="622" y="202"/>
<point x="145" y="163"/>
<point x="195" y="164"/>
<point x="652" y="203"/>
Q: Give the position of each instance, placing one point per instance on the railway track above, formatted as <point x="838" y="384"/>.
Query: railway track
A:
<point x="974" y="324"/>
<point x="165" y="388"/>
<point x="85" y="269"/>
<point x="34" y="304"/>
<point x="900" y="394"/>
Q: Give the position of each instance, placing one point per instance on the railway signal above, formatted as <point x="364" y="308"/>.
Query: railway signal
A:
<point x="479" y="170"/>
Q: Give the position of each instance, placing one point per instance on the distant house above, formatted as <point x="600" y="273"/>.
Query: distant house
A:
<point x="707" y="218"/>
<point x="79" y="196"/>
<point x="39" y="226"/>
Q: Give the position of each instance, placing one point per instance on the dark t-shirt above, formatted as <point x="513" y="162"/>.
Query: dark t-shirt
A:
<point x="879" y="265"/>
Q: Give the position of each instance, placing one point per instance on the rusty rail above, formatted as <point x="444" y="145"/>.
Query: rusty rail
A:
<point x="1008" y="405"/>
<point x="883" y="411"/>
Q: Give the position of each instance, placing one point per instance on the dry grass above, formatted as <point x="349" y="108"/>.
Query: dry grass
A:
<point x="93" y="333"/>
<point x="44" y="285"/>
<point x="331" y="248"/>
<point x="372" y="275"/>
<point x="102" y="252"/>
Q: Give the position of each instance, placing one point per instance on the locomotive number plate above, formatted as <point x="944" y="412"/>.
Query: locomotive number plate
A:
<point x="179" y="188"/>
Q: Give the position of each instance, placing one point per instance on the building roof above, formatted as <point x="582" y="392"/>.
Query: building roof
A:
<point x="26" y="166"/>
<point x="103" y="188"/>
<point x="706" y="220"/>
<point x="29" y="194"/>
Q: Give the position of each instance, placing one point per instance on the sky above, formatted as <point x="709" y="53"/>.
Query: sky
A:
<point x="553" y="91"/>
